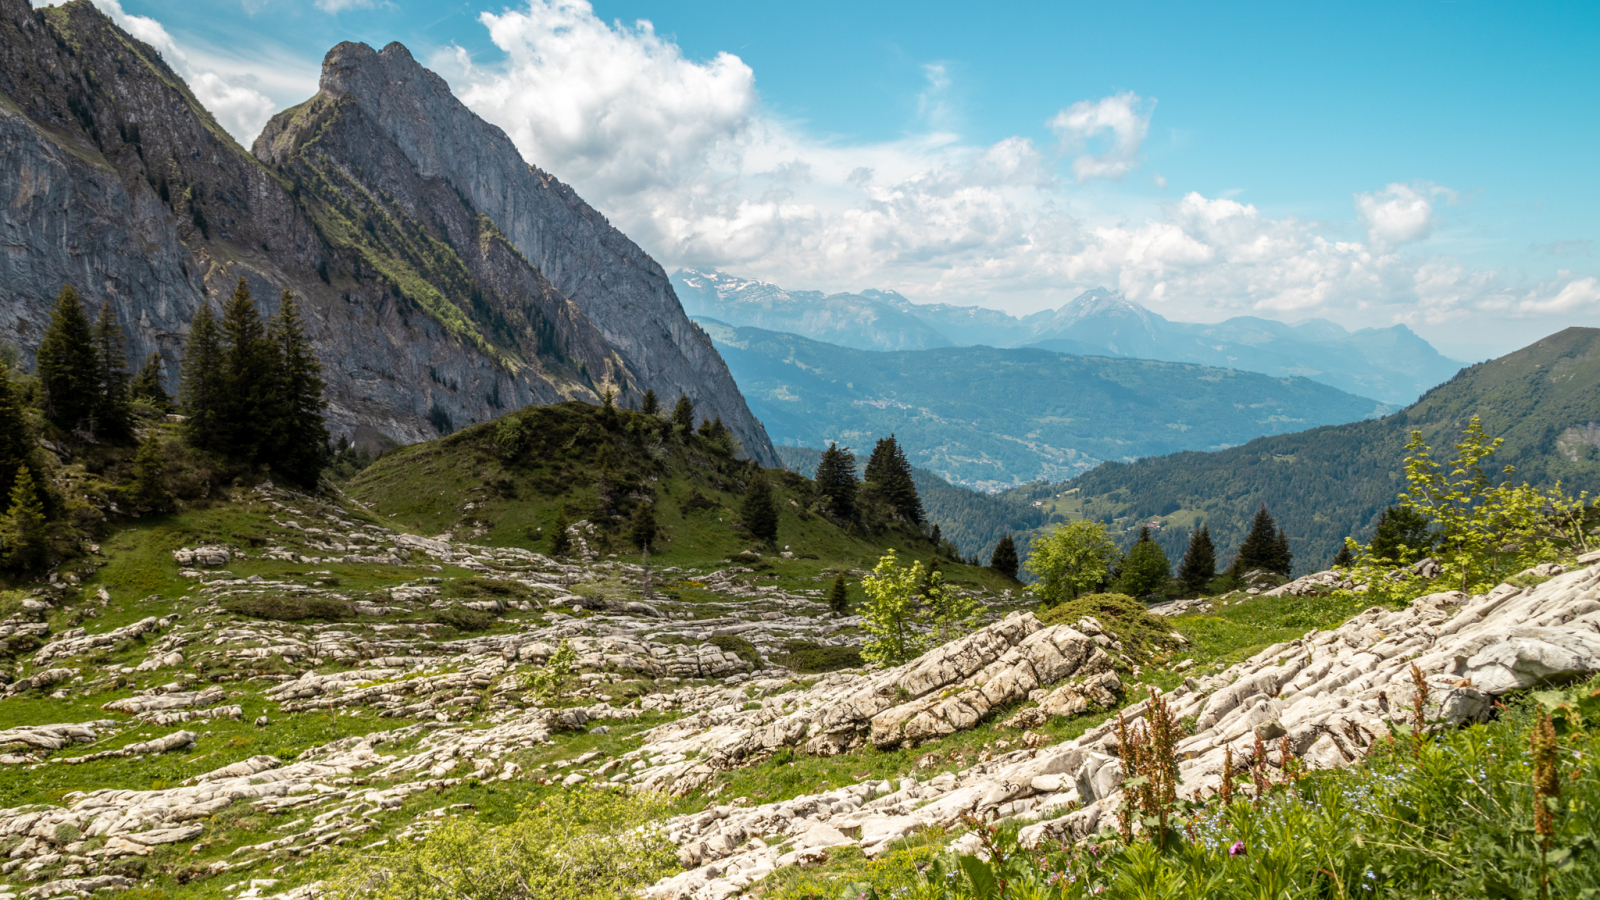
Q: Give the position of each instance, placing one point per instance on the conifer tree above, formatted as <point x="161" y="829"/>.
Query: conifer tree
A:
<point x="642" y="530"/>
<point x="560" y="541"/>
<point x="836" y="482"/>
<point x="889" y="474"/>
<point x="1145" y="569"/>
<point x="149" y="489"/>
<point x="147" y="385"/>
<point x="839" y="595"/>
<point x="1261" y="545"/>
<point x="22" y="534"/>
<point x="1199" y="564"/>
<point x="759" y="513"/>
<point x="651" y="405"/>
<point x="249" y="365"/>
<point x="300" y="438"/>
<point x="67" y="362"/>
<point x="112" y="417"/>
<point x="1004" y="560"/>
<point x="202" y="385"/>
<point x="14" y="438"/>
<point x="1282" y="558"/>
<point x="683" y="414"/>
<point x="1344" y="558"/>
<point x="1402" y="536"/>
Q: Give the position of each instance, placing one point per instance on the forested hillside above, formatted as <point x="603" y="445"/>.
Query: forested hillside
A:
<point x="1330" y="482"/>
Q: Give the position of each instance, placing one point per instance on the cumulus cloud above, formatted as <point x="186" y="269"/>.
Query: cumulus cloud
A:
<point x="1399" y="214"/>
<point x="1123" y="120"/>
<point x="232" y="97"/>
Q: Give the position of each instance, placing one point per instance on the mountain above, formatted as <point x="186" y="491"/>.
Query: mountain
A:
<point x="865" y="321"/>
<point x="1326" y="483"/>
<point x="1392" y="364"/>
<point x="443" y="279"/>
<point x="993" y="418"/>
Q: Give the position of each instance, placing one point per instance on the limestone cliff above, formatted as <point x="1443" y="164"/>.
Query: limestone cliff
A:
<point x="444" y="280"/>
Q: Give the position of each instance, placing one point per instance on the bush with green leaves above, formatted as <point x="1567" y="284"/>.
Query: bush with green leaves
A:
<point x="909" y="609"/>
<point x="582" y="843"/>
<point x="545" y="682"/>
<point x="1074" y="558"/>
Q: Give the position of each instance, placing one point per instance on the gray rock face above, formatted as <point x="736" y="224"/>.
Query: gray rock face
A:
<point x="428" y="311"/>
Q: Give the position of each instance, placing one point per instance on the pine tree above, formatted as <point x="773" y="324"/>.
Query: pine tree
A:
<point x="683" y="414"/>
<point x="22" y="534"/>
<point x="113" y="417"/>
<point x="149" y="489"/>
<point x="14" y="437"/>
<point x="889" y="473"/>
<point x="642" y="530"/>
<point x="560" y="541"/>
<point x="1004" y="560"/>
<point x="300" y="438"/>
<point x="651" y="404"/>
<point x="1344" y="558"/>
<point x="1261" y="549"/>
<point x="245" y="408"/>
<point x="836" y="482"/>
<point x="1402" y="536"/>
<point x="203" y="386"/>
<point x="147" y="385"/>
<point x="759" y="513"/>
<point x="1199" y="564"/>
<point x="1145" y="569"/>
<point x="1282" y="558"/>
<point x="67" y="364"/>
<point x="839" y="595"/>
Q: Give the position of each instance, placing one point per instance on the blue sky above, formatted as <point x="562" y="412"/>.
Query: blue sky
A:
<point x="1425" y="163"/>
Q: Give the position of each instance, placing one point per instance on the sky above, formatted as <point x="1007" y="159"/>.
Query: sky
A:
<point x="1424" y="163"/>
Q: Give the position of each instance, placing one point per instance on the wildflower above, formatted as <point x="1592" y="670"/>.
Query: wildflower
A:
<point x="1237" y="849"/>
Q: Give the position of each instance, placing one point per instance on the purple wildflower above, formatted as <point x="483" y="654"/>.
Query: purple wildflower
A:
<point x="1237" y="849"/>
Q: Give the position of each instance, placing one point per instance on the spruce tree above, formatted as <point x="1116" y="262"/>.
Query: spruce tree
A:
<point x="67" y="362"/>
<point x="1402" y="536"/>
<point x="300" y="438"/>
<point x="1260" y="549"/>
<point x="246" y="407"/>
<point x="642" y="530"/>
<point x="889" y="473"/>
<point x="1282" y="558"/>
<point x="651" y="404"/>
<point x="759" y="513"/>
<point x="836" y="482"/>
<point x="203" y="385"/>
<point x="560" y="541"/>
<point x="149" y="489"/>
<point x="839" y="595"/>
<point x="113" y="418"/>
<point x="147" y="385"/>
<point x="1004" y="560"/>
<point x="1344" y="558"/>
<point x="1145" y="569"/>
<point x="14" y="437"/>
<point x="1199" y="564"/>
<point x="683" y="414"/>
<point x="22" y="534"/>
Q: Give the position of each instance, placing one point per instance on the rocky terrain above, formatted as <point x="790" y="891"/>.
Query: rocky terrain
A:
<point x="442" y="281"/>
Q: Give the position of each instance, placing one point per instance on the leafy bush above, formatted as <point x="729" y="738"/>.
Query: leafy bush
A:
<point x="475" y="588"/>
<point x="810" y="659"/>
<point x="287" y="608"/>
<point x="582" y="843"/>
<point x="463" y="619"/>
<point x="738" y="646"/>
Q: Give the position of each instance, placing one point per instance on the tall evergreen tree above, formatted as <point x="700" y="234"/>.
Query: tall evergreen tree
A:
<point x="113" y="418"/>
<point x="22" y="533"/>
<point x="300" y="438"/>
<point x="147" y="385"/>
<point x="149" y="489"/>
<point x="1004" y="560"/>
<point x="249" y="365"/>
<point x="651" y="405"/>
<point x="836" y="481"/>
<point x="1145" y="569"/>
<point x="1344" y="558"/>
<point x="1402" y="536"/>
<point x="889" y="474"/>
<point x="683" y="414"/>
<point x="560" y="541"/>
<point x="203" y="381"/>
<point x="1199" y="564"/>
<point x="642" y="530"/>
<point x="759" y="512"/>
<point x="1282" y="558"/>
<point x="839" y="595"/>
<point x="67" y="362"/>
<point x="1263" y="548"/>
<point x="14" y="438"/>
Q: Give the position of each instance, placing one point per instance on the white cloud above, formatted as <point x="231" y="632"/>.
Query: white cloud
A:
<point x="1124" y="117"/>
<point x="232" y="97"/>
<point x="338" y="6"/>
<point x="1399" y="214"/>
<point x="1575" y="294"/>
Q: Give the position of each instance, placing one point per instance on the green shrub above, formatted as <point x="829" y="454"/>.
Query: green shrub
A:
<point x="738" y="646"/>
<point x="811" y="659"/>
<point x="475" y="588"/>
<point x="463" y="619"/>
<point x="583" y="843"/>
<point x="286" y="608"/>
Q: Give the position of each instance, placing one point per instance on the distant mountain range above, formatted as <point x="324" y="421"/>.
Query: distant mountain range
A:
<point x="1392" y="364"/>
<point x="993" y="418"/>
